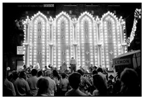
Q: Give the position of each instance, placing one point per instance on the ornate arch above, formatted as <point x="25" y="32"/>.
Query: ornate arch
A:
<point x="86" y="37"/>
<point x="62" y="38"/>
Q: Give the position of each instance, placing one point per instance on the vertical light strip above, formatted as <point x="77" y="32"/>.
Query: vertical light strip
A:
<point x="58" y="43"/>
<point x="30" y="46"/>
<point x="95" y="41"/>
<point x="102" y="48"/>
<point x="106" y="54"/>
<point x="47" y="44"/>
<point x="91" y="41"/>
<point x="78" y="40"/>
<point x="35" y="42"/>
<point x="115" y="45"/>
<point x="82" y="42"/>
<point x="43" y="42"/>
<point x="118" y="37"/>
<point x="54" y="42"/>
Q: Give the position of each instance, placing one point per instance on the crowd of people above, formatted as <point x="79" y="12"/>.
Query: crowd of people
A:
<point x="51" y="82"/>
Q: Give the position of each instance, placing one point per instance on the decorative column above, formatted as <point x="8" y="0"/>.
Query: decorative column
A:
<point x="51" y="53"/>
<point x="26" y="41"/>
<point x="99" y="54"/>
<point x="124" y="47"/>
<point x="99" y="43"/>
<point x="51" y="41"/>
<point x="75" y="40"/>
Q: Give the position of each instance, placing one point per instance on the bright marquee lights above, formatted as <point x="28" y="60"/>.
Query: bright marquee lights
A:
<point x="90" y="41"/>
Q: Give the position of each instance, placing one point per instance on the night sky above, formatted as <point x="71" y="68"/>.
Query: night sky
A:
<point x="12" y="36"/>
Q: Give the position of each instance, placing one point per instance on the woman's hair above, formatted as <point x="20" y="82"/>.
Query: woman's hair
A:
<point x="100" y="84"/>
<point x="80" y="72"/>
<point x="43" y="86"/>
<point x="55" y="74"/>
<point x="129" y="77"/>
<point x="22" y="74"/>
<point x="63" y="75"/>
<point x="40" y="73"/>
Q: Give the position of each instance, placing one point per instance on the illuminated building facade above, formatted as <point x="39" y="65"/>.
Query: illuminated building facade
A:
<point x="89" y="39"/>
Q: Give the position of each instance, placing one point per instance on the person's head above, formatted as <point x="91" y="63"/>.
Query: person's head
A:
<point x="100" y="84"/>
<point x="94" y="72"/>
<point x="63" y="75"/>
<point x="10" y="77"/>
<point x="48" y="73"/>
<point x="34" y="72"/>
<point x="72" y="58"/>
<point x="39" y="73"/>
<point x="55" y="74"/>
<point x="80" y="72"/>
<point x="129" y="77"/>
<point x="43" y="86"/>
<point x="22" y="74"/>
<point x="15" y="75"/>
<point x="74" y="80"/>
<point x="100" y="70"/>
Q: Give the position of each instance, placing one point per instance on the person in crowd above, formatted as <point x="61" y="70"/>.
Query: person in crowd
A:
<point x="74" y="81"/>
<point x="100" y="72"/>
<point x="52" y="85"/>
<point x="43" y="86"/>
<point x="130" y="83"/>
<point x="56" y="78"/>
<point x="8" y="88"/>
<point x="15" y="76"/>
<point x="73" y="64"/>
<point x="21" y="85"/>
<point x="94" y="72"/>
<point x="85" y="83"/>
<point x="116" y="87"/>
<point x="32" y="81"/>
<point x="100" y="85"/>
<point x="40" y="74"/>
<point x="64" y="84"/>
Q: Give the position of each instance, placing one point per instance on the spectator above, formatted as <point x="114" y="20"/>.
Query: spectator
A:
<point x="40" y="74"/>
<point x="85" y="82"/>
<point x="94" y="72"/>
<point x="56" y="78"/>
<point x="99" y="83"/>
<point x="43" y="86"/>
<point x="130" y="83"/>
<point x="15" y="76"/>
<point x="8" y="88"/>
<point x="117" y="87"/>
<point x="32" y="81"/>
<point x="74" y="80"/>
<point x="64" y="84"/>
<point x="21" y="85"/>
<point x="52" y="85"/>
<point x="100" y="72"/>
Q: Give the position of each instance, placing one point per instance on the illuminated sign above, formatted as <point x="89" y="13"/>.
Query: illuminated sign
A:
<point x="122" y="62"/>
<point x="20" y="50"/>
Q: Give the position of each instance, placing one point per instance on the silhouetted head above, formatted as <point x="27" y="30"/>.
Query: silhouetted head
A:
<point x="55" y="74"/>
<point x="74" y="80"/>
<point x="80" y="72"/>
<point x="94" y="72"/>
<point x="100" y="84"/>
<point x="34" y="72"/>
<point x="22" y="74"/>
<point x="129" y="77"/>
<point x="39" y="73"/>
<point x="100" y="70"/>
<point x="43" y="86"/>
<point x="63" y="75"/>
